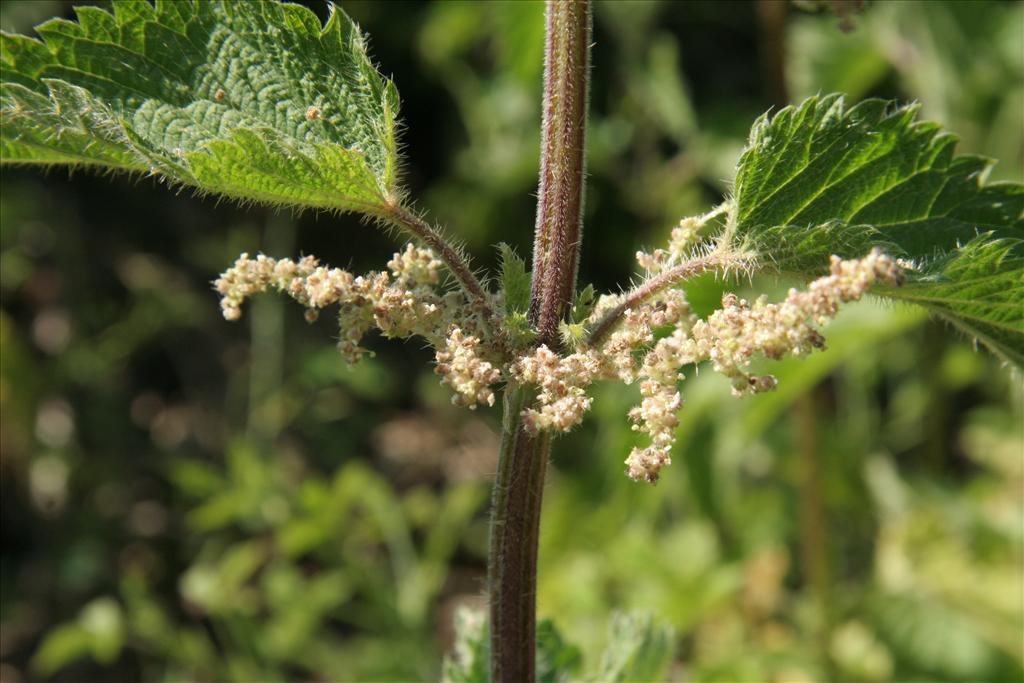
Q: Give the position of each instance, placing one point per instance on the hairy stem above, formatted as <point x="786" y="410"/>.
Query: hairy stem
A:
<point x="456" y="263"/>
<point x="562" y="165"/>
<point x="515" y="521"/>
<point x="515" y="528"/>
<point x="636" y="296"/>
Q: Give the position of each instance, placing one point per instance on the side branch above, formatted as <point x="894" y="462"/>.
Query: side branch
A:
<point x="684" y="271"/>
<point x="456" y="263"/>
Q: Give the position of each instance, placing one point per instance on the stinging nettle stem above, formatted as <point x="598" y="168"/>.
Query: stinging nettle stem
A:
<point x="519" y="485"/>
<point x="515" y="529"/>
<point x="562" y="167"/>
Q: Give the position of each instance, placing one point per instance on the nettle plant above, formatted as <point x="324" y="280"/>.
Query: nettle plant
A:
<point x="259" y="102"/>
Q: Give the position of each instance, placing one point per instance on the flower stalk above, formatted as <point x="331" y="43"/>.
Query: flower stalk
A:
<point x="411" y="223"/>
<point x="636" y="296"/>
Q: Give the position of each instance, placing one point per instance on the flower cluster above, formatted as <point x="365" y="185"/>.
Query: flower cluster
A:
<point x="402" y="303"/>
<point x="414" y="267"/>
<point x="729" y="338"/>
<point x="562" y="399"/>
<point x="682" y="241"/>
<point x="649" y="340"/>
<point x="460" y="366"/>
<point x="252" y="276"/>
<point x="732" y="336"/>
<point x="735" y="333"/>
<point x="618" y="354"/>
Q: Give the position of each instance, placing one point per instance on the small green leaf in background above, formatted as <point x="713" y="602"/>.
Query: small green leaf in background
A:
<point x="939" y="639"/>
<point x="63" y="645"/>
<point x="98" y="632"/>
<point x="470" y="661"/>
<point x="574" y="331"/>
<point x="557" y="660"/>
<point x="584" y="304"/>
<point x="638" y="650"/>
<point x="822" y="178"/>
<point x="515" y="283"/>
<point x="254" y="100"/>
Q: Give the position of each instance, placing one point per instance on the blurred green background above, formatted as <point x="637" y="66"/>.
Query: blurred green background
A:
<point x="186" y="499"/>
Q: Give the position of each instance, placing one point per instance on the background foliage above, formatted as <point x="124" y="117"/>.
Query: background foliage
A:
<point x="185" y="499"/>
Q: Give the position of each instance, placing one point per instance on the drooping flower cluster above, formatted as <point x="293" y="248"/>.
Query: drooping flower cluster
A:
<point x="730" y="338"/>
<point x="403" y="303"/>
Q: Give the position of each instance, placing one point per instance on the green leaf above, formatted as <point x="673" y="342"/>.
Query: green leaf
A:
<point x="822" y="178"/>
<point x="515" y="283"/>
<point x="519" y="330"/>
<point x="254" y="100"/>
<point x="98" y="632"/>
<point x="62" y="645"/>
<point x="932" y="638"/>
<point x="515" y="280"/>
<point x="979" y="288"/>
<point x="638" y="650"/>
<point x="104" y="621"/>
<point x="584" y="304"/>
<point x="557" y="660"/>
<point x="574" y="331"/>
<point x="470" y="660"/>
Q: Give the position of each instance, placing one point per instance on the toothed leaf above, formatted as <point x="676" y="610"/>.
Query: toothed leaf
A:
<point x="515" y="280"/>
<point x="979" y="288"/>
<point x="254" y="100"/>
<point x="822" y="178"/>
